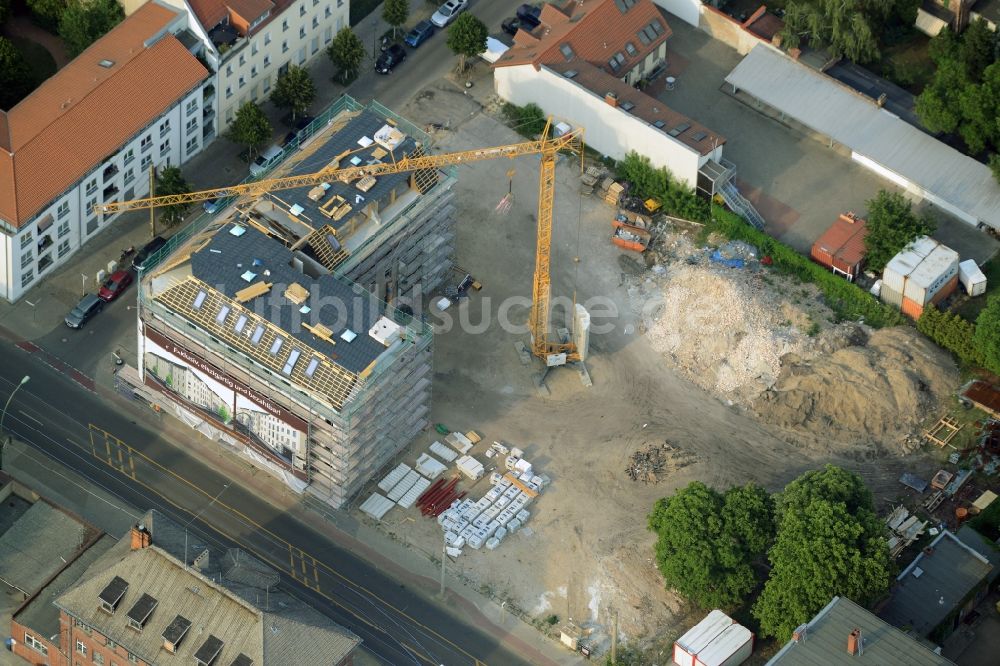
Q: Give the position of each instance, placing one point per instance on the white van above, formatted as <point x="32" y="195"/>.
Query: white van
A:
<point x="264" y="160"/>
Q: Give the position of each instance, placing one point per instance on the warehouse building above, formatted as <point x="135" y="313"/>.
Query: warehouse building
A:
<point x="281" y="309"/>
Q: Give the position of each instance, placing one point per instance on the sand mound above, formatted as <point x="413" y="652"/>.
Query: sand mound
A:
<point x="875" y="394"/>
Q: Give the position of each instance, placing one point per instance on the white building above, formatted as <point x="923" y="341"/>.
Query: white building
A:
<point x="249" y="43"/>
<point x="581" y="65"/>
<point x="89" y="135"/>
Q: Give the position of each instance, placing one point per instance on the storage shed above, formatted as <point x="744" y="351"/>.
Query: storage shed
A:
<point x="715" y="641"/>
<point x="924" y="272"/>
<point x="841" y="248"/>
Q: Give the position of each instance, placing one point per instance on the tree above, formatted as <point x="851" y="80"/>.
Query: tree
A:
<point x="848" y="27"/>
<point x="171" y="181"/>
<point x="977" y="50"/>
<point x="16" y="78"/>
<point x="396" y="13"/>
<point x="85" y="21"/>
<point x="702" y="550"/>
<point x="250" y="127"/>
<point x="4" y="10"/>
<point x="987" y="335"/>
<point x="939" y="105"/>
<point x="951" y="331"/>
<point x="346" y="52"/>
<point x="892" y="225"/>
<point x="47" y="12"/>
<point x="829" y="542"/>
<point x="467" y="38"/>
<point x="294" y="90"/>
<point x="995" y="166"/>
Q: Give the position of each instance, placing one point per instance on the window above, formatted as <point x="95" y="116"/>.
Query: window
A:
<point x="35" y="644"/>
<point x="619" y="58"/>
<point x="129" y="157"/>
<point x="98" y="659"/>
<point x="165" y="147"/>
<point x="567" y="51"/>
<point x="27" y="277"/>
<point x="340" y="3"/>
<point x="191" y="145"/>
<point x="614" y="64"/>
<point x="253" y="49"/>
<point x="315" y="45"/>
<point x="164" y="127"/>
<point x="315" y="22"/>
<point x="92" y="186"/>
<point x="64" y="227"/>
<point x="243" y="81"/>
<point x="191" y="107"/>
<point x="643" y="37"/>
<point x="253" y="72"/>
<point x="327" y="13"/>
<point x="630" y="49"/>
<point x="284" y="26"/>
<point x="129" y="176"/>
<point x="147" y="162"/>
<point x="657" y="28"/>
<point x="229" y="70"/>
<point x="302" y="32"/>
<point x="26" y="240"/>
<point x="63" y="248"/>
<point x="328" y="35"/>
<point x="229" y="92"/>
<point x="302" y="10"/>
<point x="91" y="225"/>
<point x="63" y="210"/>
<point x="147" y="143"/>
<point x="267" y="61"/>
<point x="192" y="125"/>
<point x="243" y="59"/>
<point x="284" y="46"/>
<point x="267" y="38"/>
<point x="26" y="258"/>
<point x="267" y="84"/>
<point x="81" y="648"/>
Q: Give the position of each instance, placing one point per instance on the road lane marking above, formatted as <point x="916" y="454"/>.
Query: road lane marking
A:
<point x="29" y="416"/>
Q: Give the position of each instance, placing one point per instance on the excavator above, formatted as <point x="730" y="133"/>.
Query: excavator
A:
<point x="552" y="352"/>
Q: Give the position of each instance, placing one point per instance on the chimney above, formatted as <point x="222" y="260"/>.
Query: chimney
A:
<point x="882" y="99"/>
<point x="141" y="538"/>
<point x="854" y="642"/>
<point x="200" y="563"/>
<point x="611" y="98"/>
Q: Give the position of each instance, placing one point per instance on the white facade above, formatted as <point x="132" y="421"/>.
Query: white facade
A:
<point x="686" y="10"/>
<point x="607" y="128"/>
<point x="246" y="71"/>
<point x="50" y="238"/>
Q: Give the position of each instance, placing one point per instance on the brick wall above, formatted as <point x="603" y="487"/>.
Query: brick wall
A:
<point x="31" y="655"/>
<point x="84" y="642"/>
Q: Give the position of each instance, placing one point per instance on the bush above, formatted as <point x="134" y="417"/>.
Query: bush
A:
<point x="845" y="298"/>
<point x="528" y="121"/>
<point x="648" y="182"/>
<point x="951" y="331"/>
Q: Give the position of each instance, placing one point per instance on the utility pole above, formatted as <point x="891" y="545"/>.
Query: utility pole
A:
<point x="6" y="441"/>
<point x="152" y="193"/>
<point x="444" y="557"/>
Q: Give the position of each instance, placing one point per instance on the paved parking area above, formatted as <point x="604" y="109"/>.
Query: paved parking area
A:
<point x="798" y="184"/>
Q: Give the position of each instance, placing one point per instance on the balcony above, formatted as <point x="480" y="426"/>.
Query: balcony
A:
<point x="44" y="262"/>
<point x="44" y="242"/>
<point x="109" y="191"/>
<point x="110" y="171"/>
<point x="208" y="92"/>
<point x="207" y="112"/>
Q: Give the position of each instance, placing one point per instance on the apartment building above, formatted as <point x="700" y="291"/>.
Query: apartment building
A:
<point x="249" y="43"/>
<point x="90" y="134"/>
<point x="284" y="327"/>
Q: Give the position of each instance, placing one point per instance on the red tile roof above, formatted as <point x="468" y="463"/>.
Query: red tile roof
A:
<point x="644" y="106"/>
<point x="87" y="111"/>
<point x="211" y="12"/>
<point x="595" y="30"/>
<point x="843" y="242"/>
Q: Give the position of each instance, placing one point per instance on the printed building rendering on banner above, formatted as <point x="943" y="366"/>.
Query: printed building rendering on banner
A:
<point x="216" y="395"/>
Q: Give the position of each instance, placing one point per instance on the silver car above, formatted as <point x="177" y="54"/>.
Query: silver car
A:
<point x="88" y="306"/>
<point x="448" y="12"/>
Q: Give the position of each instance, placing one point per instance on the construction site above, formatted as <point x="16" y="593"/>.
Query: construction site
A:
<point x="527" y="374"/>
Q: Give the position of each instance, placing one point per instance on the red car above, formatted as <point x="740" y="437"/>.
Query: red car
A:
<point x="115" y="285"/>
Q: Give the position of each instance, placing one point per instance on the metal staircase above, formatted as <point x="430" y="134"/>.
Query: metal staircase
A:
<point x="739" y="205"/>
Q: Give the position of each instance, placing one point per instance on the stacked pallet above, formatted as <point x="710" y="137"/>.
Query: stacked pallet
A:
<point x="614" y="193"/>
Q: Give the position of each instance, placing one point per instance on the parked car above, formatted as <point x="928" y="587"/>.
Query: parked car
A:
<point x="389" y="58"/>
<point x="88" y="306"/>
<point x="303" y="122"/>
<point x="264" y="160"/>
<point x="146" y="250"/>
<point x="288" y="138"/>
<point x="448" y="12"/>
<point x="528" y="16"/>
<point x="114" y="286"/>
<point x="421" y="33"/>
<point x="511" y="25"/>
<point x="211" y="206"/>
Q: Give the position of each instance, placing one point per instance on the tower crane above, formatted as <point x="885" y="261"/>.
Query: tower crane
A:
<point x="551" y="352"/>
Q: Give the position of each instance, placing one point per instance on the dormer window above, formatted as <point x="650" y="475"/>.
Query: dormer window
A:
<point x="140" y="612"/>
<point x="112" y="594"/>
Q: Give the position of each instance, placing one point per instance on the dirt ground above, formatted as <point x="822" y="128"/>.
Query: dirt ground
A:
<point x="587" y="554"/>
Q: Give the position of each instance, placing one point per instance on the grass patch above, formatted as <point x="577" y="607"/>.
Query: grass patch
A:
<point x="907" y="63"/>
<point x="41" y="62"/>
<point x="362" y="8"/>
<point x="969" y="309"/>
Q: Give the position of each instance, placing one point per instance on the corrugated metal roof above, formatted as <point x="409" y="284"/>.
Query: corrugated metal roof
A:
<point x="725" y="645"/>
<point x="700" y="635"/>
<point x="941" y="260"/>
<point x="38" y="545"/>
<point x="844" y="240"/>
<point x="825" y="643"/>
<point x="828" y="107"/>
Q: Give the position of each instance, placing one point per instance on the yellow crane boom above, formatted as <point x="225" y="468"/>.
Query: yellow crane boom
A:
<point x="548" y="147"/>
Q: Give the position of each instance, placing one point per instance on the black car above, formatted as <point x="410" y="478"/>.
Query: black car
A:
<point x="146" y="250"/>
<point x="528" y="16"/>
<point x="389" y="58"/>
<point x="511" y="25"/>
<point x="88" y="306"/>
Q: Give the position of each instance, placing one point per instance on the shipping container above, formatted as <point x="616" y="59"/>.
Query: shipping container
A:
<point x="972" y="278"/>
<point x="890" y="296"/>
<point x="698" y="637"/>
<point x="841" y="248"/>
<point x="931" y="275"/>
<point x="730" y="648"/>
<point x="899" y="267"/>
<point x="471" y="467"/>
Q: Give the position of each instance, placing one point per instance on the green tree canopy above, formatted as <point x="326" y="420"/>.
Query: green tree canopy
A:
<point x="85" y="21"/>
<point x="294" y="90"/>
<point x="467" y="38"/>
<point x="995" y="166"/>
<point x="850" y="28"/>
<point x="892" y="225"/>
<point x="939" y="105"/>
<point x="16" y="78"/>
<point x="396" y="13"/>
<point x="47" y="12"/>
<point x="346" y="52"/>
<point x="988" y="334"/>
<point x="977" y="50"/>
<point x="4" y="10"/>
<point x="829" y="542"/>
<point x="704" y="548"/>
<point x="171" y="181"/>
<point x="250" y="127"/>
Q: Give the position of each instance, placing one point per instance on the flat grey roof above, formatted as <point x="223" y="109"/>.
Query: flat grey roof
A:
<point x="38" y="544"/>
<point x="825" y="642"/>
<point x="830" y="108"/>
<point x="930" y="588"/>
<point x="991" y="551"/>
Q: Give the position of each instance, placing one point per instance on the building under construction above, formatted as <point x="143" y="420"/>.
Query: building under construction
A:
<point x="283" y="327"/>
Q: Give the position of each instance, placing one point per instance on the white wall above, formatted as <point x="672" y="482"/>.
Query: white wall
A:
<point x="686" y="10"/>
<point x="607" y="129"/>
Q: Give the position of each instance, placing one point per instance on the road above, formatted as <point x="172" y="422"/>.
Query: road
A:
<point x="100" y="441"/>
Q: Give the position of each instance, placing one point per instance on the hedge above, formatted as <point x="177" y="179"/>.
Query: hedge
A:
<point x="846" y="299"/>
<point x="951" y="331"/>
<point x="648" y="182"/>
